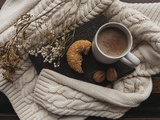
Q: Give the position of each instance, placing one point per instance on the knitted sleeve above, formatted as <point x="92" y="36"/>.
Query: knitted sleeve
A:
<point x="66" y="96"/>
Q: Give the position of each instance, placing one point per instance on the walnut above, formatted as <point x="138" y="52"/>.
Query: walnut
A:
<point x="111" y="74"/>
<point x="99" y="76"/>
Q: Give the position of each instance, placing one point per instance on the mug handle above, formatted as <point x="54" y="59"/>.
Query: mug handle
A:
<point x="130" y="60"/>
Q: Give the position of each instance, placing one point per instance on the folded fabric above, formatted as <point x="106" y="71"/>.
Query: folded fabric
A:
<point x="52" y="96"/>
<point x="56" y="93"/>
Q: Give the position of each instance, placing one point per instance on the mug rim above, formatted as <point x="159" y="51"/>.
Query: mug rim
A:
<point x="128" y="31"/>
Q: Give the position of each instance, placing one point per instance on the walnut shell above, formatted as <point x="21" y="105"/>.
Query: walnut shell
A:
<point x="111" y="74"/>
<point x="99" y="76"/>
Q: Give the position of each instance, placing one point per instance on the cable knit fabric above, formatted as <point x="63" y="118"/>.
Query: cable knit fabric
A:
<point x="52" y="96"/>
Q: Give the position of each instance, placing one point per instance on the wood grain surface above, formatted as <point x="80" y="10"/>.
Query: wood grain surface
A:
<point x="148" y="110"/>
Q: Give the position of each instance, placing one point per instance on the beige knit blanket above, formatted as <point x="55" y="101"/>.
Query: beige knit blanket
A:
<point x="52" y="96"/>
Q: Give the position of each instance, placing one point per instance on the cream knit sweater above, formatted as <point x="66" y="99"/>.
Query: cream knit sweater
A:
<point x="52" y="96"/>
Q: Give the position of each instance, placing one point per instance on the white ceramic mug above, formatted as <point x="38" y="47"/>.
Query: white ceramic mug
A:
<point x="127" y="57"/>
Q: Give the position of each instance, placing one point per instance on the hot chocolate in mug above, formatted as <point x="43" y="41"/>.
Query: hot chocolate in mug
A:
<point x="113" y="42"/>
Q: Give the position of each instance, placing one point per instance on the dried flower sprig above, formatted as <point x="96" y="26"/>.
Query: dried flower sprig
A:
<point x="52" y="47"/>
<point x="10" y="58"/>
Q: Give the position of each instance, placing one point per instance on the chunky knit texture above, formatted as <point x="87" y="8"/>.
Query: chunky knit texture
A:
<point x="51" y="95"/>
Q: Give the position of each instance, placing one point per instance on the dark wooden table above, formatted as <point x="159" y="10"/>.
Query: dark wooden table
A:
<point x="148" y="110"/>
